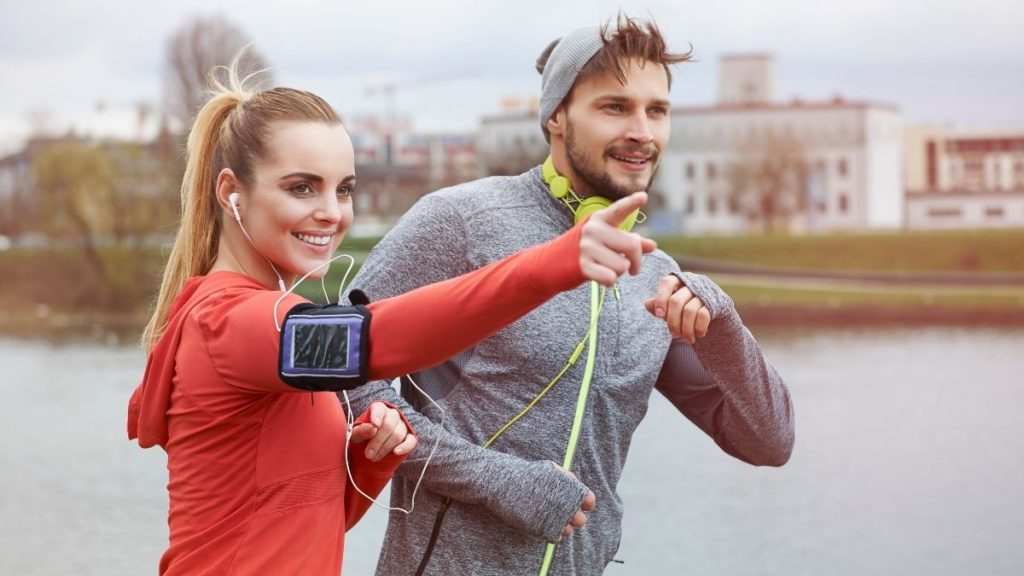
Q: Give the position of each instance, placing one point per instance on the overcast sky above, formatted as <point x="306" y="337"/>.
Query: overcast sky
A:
<point x="941" y="61"/>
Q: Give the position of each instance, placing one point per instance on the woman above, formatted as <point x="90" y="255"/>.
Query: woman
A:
<point x="257" y="480"/>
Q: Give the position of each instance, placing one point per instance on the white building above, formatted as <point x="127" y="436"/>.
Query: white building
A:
<point x="847" y="176"/>
<point x="842" y="160"/>
<point x="964" y="178"/>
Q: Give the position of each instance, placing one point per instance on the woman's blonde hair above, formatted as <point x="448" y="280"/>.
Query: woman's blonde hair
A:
<point x="230" y="131"/>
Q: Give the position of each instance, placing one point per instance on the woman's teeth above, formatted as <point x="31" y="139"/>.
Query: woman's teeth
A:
<point x="314" y="240"/>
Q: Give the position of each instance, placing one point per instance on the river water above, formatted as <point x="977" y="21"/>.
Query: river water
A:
<point x="908" y="461"/>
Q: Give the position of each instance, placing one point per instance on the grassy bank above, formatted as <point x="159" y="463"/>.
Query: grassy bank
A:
<point x="871" y="304"/>
<point x="973" y="250"/>
<point x="60" y="290"/>
<point x="967" y="254"/>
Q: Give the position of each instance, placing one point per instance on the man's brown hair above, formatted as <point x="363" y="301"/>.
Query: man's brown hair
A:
<point x="633" y="39"/>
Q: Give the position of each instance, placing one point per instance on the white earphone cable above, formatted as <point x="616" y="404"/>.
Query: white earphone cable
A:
<point x="419" y="481"/>
<point x="341" y="287"/>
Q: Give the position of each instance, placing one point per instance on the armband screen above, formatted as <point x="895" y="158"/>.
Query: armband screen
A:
<point x="325" y="348"/>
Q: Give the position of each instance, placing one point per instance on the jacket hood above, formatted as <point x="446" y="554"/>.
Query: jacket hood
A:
<point x="147" y="409"/>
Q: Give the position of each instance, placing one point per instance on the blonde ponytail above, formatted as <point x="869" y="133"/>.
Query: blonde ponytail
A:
<point x="195" y="246"/>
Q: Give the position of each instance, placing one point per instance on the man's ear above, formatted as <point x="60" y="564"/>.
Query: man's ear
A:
<point x="557" y="122"/>
<point x="226" y="184"/>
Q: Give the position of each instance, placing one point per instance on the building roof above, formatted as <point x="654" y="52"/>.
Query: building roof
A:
<point x="837" y="103"/>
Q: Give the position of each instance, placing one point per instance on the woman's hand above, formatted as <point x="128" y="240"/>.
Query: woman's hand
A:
<point x="606" y="251"/>
<point x="386" y="433"/>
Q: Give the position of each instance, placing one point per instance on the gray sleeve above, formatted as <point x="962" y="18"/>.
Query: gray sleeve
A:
<point x="532" y="496"/>
<point x="430" y="244"/>
<point x="725" y="385"/>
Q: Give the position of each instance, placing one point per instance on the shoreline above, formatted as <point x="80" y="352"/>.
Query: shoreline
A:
<point x="125" y="328"/>
<point x="859" y="316"/>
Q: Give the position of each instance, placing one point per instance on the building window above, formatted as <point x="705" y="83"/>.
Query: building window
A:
<point x="734" y="204"/>
<point x="844" y="203"/>
<point x="689" y="171"/>
<point x="843" y="168"/>
<point x="712" y="205"/>
<point x="994" y="211"/>
<point x="712" y="171"/>
<point x="943" y="212"/>
<point x="973" y="176"/>
<point x="690" y="204"/>
<point x="1018" y="174"/>
<point x="933" y="165"/>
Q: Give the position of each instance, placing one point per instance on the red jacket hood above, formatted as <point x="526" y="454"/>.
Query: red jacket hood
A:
<point x="147" y="409"/>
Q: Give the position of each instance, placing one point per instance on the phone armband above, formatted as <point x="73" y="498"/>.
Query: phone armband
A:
<point x="325" y="348"/>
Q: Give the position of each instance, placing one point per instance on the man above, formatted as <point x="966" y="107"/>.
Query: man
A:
<point x="550" y="390"/>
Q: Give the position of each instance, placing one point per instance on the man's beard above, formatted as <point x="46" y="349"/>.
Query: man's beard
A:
<point x="592" y="181"/>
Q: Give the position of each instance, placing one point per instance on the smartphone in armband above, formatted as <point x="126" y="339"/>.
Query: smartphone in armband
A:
<point x="325" y="347"/>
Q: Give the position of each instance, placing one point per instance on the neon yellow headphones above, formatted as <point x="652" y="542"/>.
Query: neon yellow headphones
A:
<point x="561" y="188"/>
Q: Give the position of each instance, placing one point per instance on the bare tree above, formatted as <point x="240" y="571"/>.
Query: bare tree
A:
<point x="193" y="52"/>
<point x="768" y="180"/>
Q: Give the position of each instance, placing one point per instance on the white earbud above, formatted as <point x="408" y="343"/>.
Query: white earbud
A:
<point x="233" y="200"/>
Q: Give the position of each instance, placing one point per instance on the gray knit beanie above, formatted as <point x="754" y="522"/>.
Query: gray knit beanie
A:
<point x="565" y="62"/>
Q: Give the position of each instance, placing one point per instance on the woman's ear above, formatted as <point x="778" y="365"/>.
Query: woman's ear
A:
<point x="226" y="184"/>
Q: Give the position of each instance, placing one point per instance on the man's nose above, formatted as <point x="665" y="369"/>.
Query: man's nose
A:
<point x="640" y="128"/>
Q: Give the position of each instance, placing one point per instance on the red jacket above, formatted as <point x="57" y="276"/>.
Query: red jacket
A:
<point x="257" y="481"/>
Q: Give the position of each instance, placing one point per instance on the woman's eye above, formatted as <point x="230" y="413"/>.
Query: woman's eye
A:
<point x="301" y="189"/>
<point x="345" y="191"/>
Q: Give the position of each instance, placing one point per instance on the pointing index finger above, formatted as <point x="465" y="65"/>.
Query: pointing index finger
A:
<point x="618" y="212"/>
